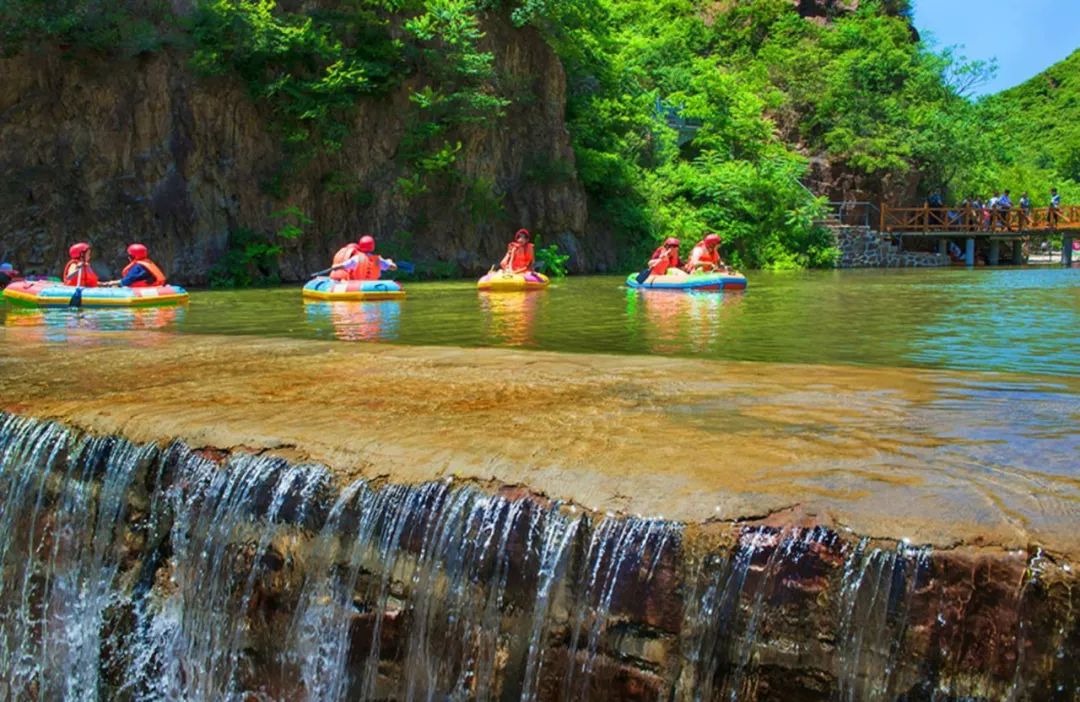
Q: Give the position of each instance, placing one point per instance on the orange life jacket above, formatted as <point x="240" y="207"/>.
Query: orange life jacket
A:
<point x="367" y="265"/>
<point x="344" y="254"/>
<point x="521" y="257"/>
<point x="368" y="268"/>
<point x="669" y="258"/>
<point x="71" y="274"/>
<point x="702" y="257"/>
<point x="159" y="277"/>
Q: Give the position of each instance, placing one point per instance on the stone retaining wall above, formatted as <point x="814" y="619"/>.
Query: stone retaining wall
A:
<point x="862" y="247"/>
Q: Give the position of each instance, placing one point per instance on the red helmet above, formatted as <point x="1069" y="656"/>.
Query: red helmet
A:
<point x="522" y="233"/>
<point x="79" y="249"/>
<point x="671" y="241"/>
<point x="137" y="252"/>
<point x="367" y="243"/>
<point x="712" y="240"/>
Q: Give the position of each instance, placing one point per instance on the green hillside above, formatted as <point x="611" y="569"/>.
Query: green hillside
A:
<point x="685" y="116"/>
<point x="1035" y="128"/>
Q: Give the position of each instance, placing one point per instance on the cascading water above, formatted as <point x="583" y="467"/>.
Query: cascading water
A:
<point x="147" y="573"/>
<point x="63" y="521"/>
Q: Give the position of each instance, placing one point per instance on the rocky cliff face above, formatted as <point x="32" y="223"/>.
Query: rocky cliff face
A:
<point x="113" y="151"/>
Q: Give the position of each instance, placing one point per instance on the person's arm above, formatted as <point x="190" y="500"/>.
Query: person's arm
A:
<point x="348" y="264"/>
<point x="387" y="264"/>
<point x="137" y="274"/>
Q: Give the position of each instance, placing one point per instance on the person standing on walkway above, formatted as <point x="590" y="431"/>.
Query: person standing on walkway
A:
<point x="1055" y="208"/>
<point x="1025" y="210"/>
<point x="1004" y="207"/>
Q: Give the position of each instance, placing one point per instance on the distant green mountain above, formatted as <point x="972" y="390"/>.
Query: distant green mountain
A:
<point x="1036" y="130"/>
<point x="1045" y="114"/>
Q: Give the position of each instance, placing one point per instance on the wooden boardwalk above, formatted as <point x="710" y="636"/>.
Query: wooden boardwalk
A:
<point x="1013" y="225"/>
<point x="945" y="220"/>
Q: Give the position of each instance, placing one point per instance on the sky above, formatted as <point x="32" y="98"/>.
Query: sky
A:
<point x="1026" y="36"/>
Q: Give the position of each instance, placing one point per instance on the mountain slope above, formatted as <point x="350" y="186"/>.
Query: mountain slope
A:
<point x="1042" y="116"/>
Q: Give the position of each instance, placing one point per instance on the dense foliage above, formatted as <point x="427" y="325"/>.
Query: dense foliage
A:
<point x="1034" y="134"/>
<point x="686" y="116"/>
<point x="674" y="140"/>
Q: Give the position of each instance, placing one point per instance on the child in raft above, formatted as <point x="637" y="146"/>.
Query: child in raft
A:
<point x="140" y="272"/>
<point x="665" y="260"/>
<point x="705" y="257"/>
<point x="360" y="262"/>
<point x="8" y="275"/>
<point x="519" y="255"/>
<point x="77" y="271"/>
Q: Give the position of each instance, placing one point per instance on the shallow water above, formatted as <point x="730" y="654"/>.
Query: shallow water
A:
<point x="1015" y="320"/>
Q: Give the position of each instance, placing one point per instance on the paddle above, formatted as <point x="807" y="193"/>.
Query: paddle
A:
<point x="403" y="266"/>
<point x="76" y="297"/>
<point x="538" y="268"/>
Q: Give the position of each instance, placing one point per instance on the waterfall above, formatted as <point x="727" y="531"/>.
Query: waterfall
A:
<point x="135" y="572"/>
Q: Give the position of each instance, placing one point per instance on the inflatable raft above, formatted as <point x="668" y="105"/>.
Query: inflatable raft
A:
<point x="323" y="288"/>
<point x="695" y="281"/>
<point x="47" y="293"/>
<point x="499" y="281"/>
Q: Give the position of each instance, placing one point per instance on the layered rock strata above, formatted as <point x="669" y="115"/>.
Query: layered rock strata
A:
<point x="114" y="150"/>
<point x="205" y="575"/>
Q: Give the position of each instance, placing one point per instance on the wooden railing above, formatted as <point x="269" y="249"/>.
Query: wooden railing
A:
<point x="956" y="220"/>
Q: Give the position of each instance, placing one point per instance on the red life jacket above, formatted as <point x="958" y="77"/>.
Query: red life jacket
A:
<point x="521" y="257"/>
<point x="159" y="277"/>
<point x="71" y="274"/>
<point x="669" y="258"/>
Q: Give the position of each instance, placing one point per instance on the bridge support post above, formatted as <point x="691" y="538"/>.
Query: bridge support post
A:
<point x="1066" y="249"/>
<point x="943" y="246"/>
<point x="995" y="252"/>
<point x="1018" y="252"/>
<point x="969" y="252"/>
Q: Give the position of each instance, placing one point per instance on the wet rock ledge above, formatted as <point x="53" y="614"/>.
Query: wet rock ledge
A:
<point x="162" y="571"/>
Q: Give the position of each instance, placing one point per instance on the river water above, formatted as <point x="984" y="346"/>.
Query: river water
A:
<point x="1012" y="320"/>
<point x="143" y="571"/>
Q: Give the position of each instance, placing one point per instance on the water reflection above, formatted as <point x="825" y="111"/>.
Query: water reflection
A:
<point x="674" y="322"/>
<point x="510" y="317"/>
<point x="1006" y="320"/>
<point x="69" y="325"/>
<point x="375" y="320"/>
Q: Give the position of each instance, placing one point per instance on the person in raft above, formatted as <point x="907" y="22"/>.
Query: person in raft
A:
<point x="360" y="262"/>
<point x="665" y="260"/>
<point x="705" y="257"/>
<point x="8" y="275"/>
<point x="77" y="271"/>
<point x="519" y="254"/>
<point x="140" y="272"/>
